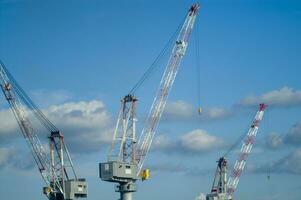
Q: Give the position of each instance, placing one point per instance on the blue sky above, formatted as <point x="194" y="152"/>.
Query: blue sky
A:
<point x="83" y="56"/>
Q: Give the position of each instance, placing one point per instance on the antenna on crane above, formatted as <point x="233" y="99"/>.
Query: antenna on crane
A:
<point x="55" y="167"/>
<point x="127" y="154"/>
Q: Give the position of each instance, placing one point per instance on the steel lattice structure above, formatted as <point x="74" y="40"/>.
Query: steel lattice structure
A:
<point x="166" y="83"/>
<point x="55" y="165"/>
<point x="126" y="156"/>
<point x="244" y="152"/>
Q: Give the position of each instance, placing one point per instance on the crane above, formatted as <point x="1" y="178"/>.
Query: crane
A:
<point x="127" y="154"/>
<point x="223" y="189"/>
<point x="55" y="165"/>
<point x="219" y="186"/>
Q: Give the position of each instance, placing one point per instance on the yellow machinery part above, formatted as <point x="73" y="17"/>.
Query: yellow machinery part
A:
<point x="145" y="174"/>
<point x="200" y="110"/>
<point x="47" y="190"/>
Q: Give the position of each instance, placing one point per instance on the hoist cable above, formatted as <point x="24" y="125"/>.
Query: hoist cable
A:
<point x="198" y="63"/>
<point x="154" y="65"/>
<point x="28" y="102"/>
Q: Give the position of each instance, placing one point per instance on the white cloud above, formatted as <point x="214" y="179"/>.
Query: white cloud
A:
<point x="15" y="158"/>
<point x="200" y="141"/>
<point x="196" y="141"/>
<point x="86" y="125"/>
<point x="45" y="98"/>
<point x="183" y="111"/>
<point x="274" y="141"/>
<point x="291" y="138"/>
<point x="178" y="110"/>
<point x="290" y="164"/>
<point x="215" y="113"/>
<point x="5" y="155"/>
<point x="283" y="97"/>
<point x="9" y="125"/>
<point x="162" y="142"/>
<point x="80" y="114"/>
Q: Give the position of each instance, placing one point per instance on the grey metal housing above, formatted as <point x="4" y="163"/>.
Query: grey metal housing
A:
<point x="115" y="171"/>
<point x="76" y="189"/>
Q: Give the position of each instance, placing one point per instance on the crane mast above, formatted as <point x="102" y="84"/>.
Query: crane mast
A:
<point x="220" y="179"/>
<point x="126" y="156"/>
<point x="125" y="132"/>
<point x="219" y="186"/>
<point x="51" y="165"/>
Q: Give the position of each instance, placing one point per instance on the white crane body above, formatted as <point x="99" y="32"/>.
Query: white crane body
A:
<point x="126" y="156"/>
<point x="166" y="83"/>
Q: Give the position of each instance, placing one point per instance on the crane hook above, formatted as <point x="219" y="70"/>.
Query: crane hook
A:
<point x="200" y="110"/>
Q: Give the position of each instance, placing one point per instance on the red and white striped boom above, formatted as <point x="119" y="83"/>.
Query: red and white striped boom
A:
<point x="244" y="152"/>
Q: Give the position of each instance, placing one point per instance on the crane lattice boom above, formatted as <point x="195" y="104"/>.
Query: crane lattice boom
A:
<point x="28" y="132"/>
<point x="244" y="152"/>
<point x="166" y="83"/>
<point x="52" y="164"/>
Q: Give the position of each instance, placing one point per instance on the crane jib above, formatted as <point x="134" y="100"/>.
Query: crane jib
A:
<point x="244" y="152"/>
<point x="166" y="83"/>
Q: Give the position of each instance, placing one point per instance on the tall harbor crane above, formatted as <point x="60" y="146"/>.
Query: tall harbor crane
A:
<point x="127" y="154"/>
<point x="55" y="165"/>
<point x="223" y="189"/>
